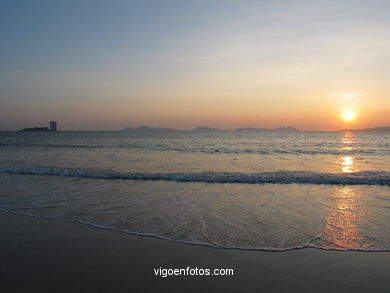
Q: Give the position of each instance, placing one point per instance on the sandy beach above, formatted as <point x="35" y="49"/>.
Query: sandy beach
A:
<point x="43" y="255"/>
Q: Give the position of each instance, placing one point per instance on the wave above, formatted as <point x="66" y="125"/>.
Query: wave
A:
<point x="278" y="177"/>
<point x="315" y="150"/>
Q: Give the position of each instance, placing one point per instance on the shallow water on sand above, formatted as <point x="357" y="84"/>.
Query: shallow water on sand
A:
<point x="248" y="190"/>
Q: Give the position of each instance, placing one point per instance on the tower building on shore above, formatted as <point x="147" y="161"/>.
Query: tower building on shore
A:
<point x="53" y="125"/>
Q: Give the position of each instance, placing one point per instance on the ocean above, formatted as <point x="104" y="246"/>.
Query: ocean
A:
<point x="265" y="190"/>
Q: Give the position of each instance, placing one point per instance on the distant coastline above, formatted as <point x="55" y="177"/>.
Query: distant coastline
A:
<point x="206" y="129"/>
<point x="385" y="128"/>
<point x="209" y="129"/>
<point x="146" y="128"/>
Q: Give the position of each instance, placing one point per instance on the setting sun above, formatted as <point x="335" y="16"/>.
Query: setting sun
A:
<point x="348" y="115"/>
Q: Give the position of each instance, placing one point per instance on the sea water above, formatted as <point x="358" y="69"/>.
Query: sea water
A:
<point x="270" y="190"/>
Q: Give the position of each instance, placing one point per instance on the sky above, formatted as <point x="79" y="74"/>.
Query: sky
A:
<point x="106" y="65"/>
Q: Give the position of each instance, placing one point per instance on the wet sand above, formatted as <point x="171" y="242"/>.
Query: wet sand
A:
<point x="43" y="255"/>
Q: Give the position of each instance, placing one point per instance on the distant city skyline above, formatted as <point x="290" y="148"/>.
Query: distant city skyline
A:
<point x="106" y="65"/>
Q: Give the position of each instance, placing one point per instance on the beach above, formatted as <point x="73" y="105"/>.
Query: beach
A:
<point x="123" y="211"/>
<point x="44" y="255"/>
<point x="195" y="146"/>
<point x="257" y="190"/>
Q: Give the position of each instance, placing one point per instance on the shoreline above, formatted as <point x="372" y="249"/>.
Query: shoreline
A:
<point x="57" y="256"/>
<point x="155" y="236"/>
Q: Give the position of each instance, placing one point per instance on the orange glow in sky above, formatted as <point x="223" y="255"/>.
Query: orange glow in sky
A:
<point x="225" y="65"/>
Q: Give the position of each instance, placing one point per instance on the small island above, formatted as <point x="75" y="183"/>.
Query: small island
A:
<point x="53" y="127"/>
<point x="36" y="129"/>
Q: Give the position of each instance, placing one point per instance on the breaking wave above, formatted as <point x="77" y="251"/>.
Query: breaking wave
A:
<point x="278" y="177"/>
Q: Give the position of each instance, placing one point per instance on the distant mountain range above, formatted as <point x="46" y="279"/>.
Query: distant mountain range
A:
<point x="284" y="129"/>
<point x="206" y="128"/>
<point x="386" y="128"/>
<point x="209" y="129"/>
<point x="147" y="128"/>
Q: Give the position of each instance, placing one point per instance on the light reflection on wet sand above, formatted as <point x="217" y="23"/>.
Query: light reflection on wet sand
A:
<point x="343" y="225"/>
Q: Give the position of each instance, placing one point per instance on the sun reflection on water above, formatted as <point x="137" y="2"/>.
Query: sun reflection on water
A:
<point x="346" y="219"/>
<point x="348" y="162"/>
<point x="348" y="140"/>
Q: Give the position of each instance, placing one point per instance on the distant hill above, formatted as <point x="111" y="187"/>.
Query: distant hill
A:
<point x="385" y="128"/>
<point x="283" y="129"/>
<point x="205" y="128"/>
<point x="147" y="128"/>
<point x="250" y="129"/>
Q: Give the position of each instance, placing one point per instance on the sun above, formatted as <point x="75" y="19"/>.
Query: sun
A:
<point x="348" y="115"/>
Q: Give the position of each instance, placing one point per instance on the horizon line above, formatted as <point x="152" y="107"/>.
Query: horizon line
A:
<point x="207" y="128"/>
